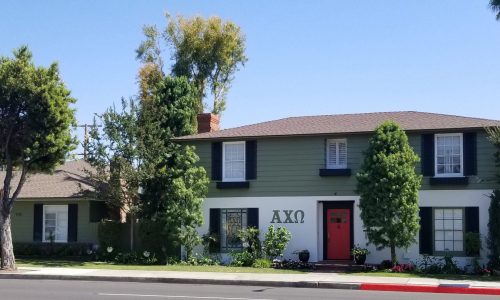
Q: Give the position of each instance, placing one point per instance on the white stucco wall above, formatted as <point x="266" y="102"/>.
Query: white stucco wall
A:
<point x="309" y="235"/>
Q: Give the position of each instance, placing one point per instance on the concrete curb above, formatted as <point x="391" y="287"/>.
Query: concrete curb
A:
<point x="246" y="282"/>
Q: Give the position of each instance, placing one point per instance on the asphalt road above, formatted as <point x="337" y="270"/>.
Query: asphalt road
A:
<point x="15" y="289"/>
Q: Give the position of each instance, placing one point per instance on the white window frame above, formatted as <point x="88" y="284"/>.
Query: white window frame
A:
<point x="44" y="240"/>
<point x="224" y="178"/>
<point x="329" y="164"/>
<point x="461" y="174"/>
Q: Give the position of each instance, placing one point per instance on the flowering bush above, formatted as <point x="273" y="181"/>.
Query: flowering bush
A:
<point x="403" y="268"/>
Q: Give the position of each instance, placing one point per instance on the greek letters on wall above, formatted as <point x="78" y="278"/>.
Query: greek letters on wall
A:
<point x="288" y="216"/>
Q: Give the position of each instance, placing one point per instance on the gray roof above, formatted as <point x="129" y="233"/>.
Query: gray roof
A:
<point x="347" y="123"/>
<point x="67" y="181"/>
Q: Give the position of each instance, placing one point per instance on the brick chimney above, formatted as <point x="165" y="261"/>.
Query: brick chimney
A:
<point x="207" y="122"/>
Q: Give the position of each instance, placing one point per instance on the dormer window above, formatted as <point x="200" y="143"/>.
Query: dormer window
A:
<point x="449" y="155"/>
<point x="336" y="154"/>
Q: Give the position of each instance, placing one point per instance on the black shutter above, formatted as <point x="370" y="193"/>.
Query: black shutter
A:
<point x="470" y="153"/>
<point x="72" y="222"/>
<point x="472" y="219"/>
<point x="472" y="223"/>
<point x="425" y="234"/>
<point x="214" y="228"/>
<point x="251" y="160"/>
<point x="253" y="217"/>
<point x="37" y="222"/>
<point x="427" y="154"/>
<point x="217" y="161"/>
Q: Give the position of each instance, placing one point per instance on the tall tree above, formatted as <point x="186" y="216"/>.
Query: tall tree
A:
<point x="114" y="154"/>
<point x="388" y="187"/>
<point x="35" y="131"/>
<point x="494" y="210"/>
<point x="175" y="185"/>
<point x="495" y="6"/>
<point x="206" y="51"/>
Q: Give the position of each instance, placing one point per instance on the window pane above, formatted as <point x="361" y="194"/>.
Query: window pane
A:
<point x="439" y="235"/>
<point x="458" y="235"/>
<point x="439" y="246"/>
<point x="438" y="224"/>
<point x="234" y="161"/>
<point x="457" y="224"/>
<point x="458" y="246"/>
<point x="448" y="245"/>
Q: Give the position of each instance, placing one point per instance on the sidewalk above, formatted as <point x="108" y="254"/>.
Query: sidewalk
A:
<point x="308" y="280"/>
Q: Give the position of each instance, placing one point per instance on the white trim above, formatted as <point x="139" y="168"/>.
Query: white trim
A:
<point x="335" y="165"/>
<point x="43" y="223"/>
<point x="461" y="174"/>
<point x="224" y="162"/>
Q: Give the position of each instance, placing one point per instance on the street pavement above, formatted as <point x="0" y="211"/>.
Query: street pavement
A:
<point x="303" y="280"/>
<point x="21" y="289"/>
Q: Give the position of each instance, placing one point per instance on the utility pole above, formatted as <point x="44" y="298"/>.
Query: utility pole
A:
<point x="86" y="137"/>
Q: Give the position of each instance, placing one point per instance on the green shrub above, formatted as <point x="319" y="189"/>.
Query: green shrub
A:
<point x="52" y="249"/>
<point x="190" y="239"/>
<point x="494" y="230"/>
<point x="242" y="259"/>
<point x="153" y="238"/>
<point x="472" y="243"/>
<point x="275" y="241"/>
<point x="262" y="263"/>
<point x="250" y="240"/>
<point x="109" y="234"/>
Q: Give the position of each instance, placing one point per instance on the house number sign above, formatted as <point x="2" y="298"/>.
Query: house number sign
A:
<point x="288" y="216"/>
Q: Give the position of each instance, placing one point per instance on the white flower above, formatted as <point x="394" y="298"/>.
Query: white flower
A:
<point x="245" y="245"/>
<point x="109" y="249"/>
<point x="89" y="251"/>
<point x="146" y="254"/>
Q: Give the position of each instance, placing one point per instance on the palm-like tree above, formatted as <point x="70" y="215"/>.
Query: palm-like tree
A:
<point x="495" y="6"/>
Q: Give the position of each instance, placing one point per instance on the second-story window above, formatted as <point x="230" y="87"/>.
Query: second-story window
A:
<point x="449" y="154"/>
<point x="233" y="157"/>
<point x="336" y="154"/>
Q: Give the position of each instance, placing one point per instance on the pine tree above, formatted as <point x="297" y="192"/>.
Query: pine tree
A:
<point x="388" y="187"/>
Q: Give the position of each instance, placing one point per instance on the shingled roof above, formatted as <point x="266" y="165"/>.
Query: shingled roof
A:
<point x="348" y="123"/>
<point x="67" y="181"/>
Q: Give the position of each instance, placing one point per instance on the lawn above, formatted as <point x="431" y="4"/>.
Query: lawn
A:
<point x="32" y="262"/>
<point x="382" y="273"/>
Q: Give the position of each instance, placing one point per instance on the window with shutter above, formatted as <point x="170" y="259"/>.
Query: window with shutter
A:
<point x="449" y="155"/>
<point x="233" y="157"/>
<point x="55" y="223"/>
<point x="336" y="154"/>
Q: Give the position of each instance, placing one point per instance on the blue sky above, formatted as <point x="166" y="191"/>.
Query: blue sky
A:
<point x="305" y="57"/>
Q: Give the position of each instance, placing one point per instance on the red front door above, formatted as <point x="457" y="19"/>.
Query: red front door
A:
<point x="338" y="233"/>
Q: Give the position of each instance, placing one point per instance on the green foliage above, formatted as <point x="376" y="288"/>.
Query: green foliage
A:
<point x="189" y="238"/>
<point x="154" y="238"/>
<point x="494" y="210"/>
<point x="174" y="185"/>
<point x="53" y="250"/>
<point x="251" y="242"/>
<point x="388" y="188"/>
<point x="35" y="130"/>
<point x="276" y="240"/>
<point x="109" y="234"/>
<point x="262" y="263"/>
<point x="495" y="6"/>
<point x="494" y="229"/>
<point x="242" y="259"/>
<point x="206" y="51"/>
<point x="472" y="243"/>
<point x="114" y="154"/>
<point x="357" y="250"/>
<point x="209" y="242"/>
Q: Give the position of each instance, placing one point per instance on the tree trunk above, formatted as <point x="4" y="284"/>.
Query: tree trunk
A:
<point x="7" y="259"/>
<point x="394" y="259"/>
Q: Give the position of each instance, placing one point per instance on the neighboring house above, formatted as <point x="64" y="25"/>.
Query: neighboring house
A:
<point x="56" y="206"/>
<point x="299" y="172"/>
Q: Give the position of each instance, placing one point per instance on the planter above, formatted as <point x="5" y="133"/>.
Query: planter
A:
<point x="360" y="259"/>
<point x="304" y="256"/>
